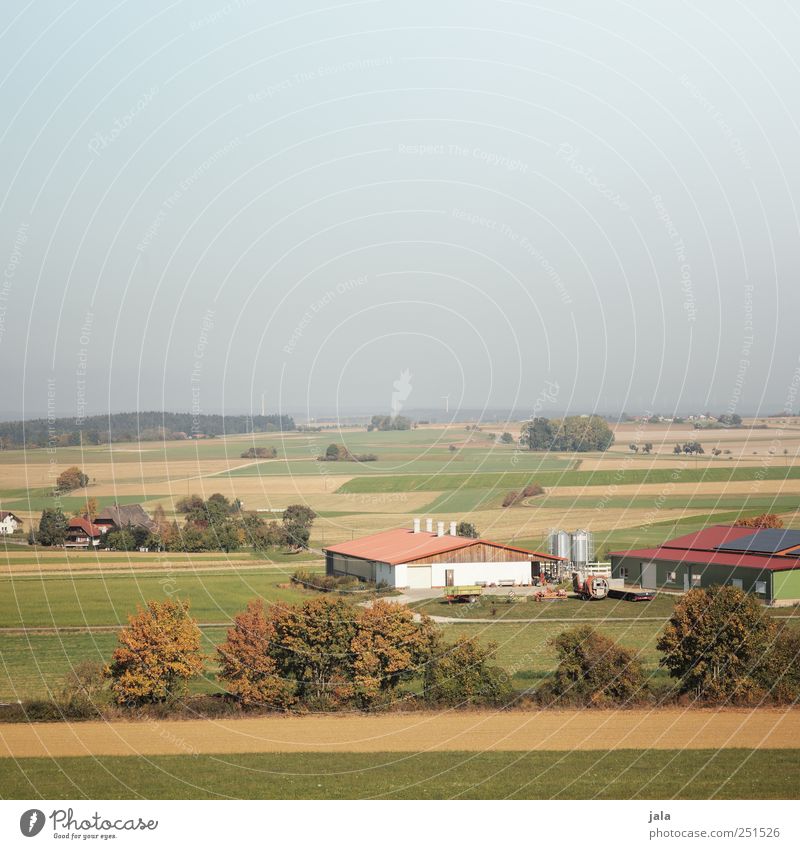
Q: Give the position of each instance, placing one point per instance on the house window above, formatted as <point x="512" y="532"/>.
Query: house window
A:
<point x="761" y="587"/>
<point x="736" y="582"/>
<point x="623" y="572"/>
<point x="672" y="577"/>
<point x="696" y="580"/>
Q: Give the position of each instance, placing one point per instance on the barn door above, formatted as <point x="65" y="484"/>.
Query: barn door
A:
<point x="649" y="576"/>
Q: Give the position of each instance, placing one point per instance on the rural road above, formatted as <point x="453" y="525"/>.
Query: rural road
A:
<point x="478" y="731"/>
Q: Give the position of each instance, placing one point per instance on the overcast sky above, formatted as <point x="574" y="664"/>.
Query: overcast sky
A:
<point x="584" y="207"/>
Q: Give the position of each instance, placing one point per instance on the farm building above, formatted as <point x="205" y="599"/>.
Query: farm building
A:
<point x="125" y="516"/>
<point x="81" y="533"/>
<point x="765" y="562"/>
<point x="9" y="522"/>
<point x="416" y="559"/>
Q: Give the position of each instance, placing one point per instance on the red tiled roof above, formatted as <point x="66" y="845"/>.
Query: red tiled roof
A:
<point x="402" y="545"/>
<point x="698" y="548"/>
<point x="85" y="525"/>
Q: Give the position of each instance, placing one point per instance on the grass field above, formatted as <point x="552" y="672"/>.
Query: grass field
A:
<point x="624" y="774"/>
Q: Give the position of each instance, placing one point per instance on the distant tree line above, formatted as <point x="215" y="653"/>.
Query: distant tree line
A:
<point x="572" y="433"/>
<point x="389" y="423"/>
<point x="132" y="427"/>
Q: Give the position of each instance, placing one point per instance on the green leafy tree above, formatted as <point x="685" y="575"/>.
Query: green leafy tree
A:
<point x="467" y="529"/>
<point x="538" y="434"/>
<point x="297" y="522"/>
<point x="313" y="646"/>
<point x="716" y="641"/>
<point x="593" y="670"/>
<point x="461" y="673"/>
<point x="52" y="527"/>
<point x="506" y="438"/>
<point x="120" y="540"/>
<point x="158" y="653"/>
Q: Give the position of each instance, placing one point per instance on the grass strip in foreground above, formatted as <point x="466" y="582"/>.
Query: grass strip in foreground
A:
<point x="621" y="774"/>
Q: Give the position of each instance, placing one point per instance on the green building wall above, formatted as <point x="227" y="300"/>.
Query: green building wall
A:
<point x="778" y="586"/>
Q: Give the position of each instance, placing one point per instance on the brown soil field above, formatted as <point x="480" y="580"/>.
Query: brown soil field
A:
<point x="413" y="732"/>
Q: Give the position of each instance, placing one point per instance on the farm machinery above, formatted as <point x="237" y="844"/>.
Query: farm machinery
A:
<point x="589" y="587"/>
<point x="462" y="594"/>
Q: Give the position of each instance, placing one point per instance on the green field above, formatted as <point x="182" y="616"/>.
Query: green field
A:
<point x="622" y="774"/>
<point x="516" y="479"/>
<point x="108" y="599"/>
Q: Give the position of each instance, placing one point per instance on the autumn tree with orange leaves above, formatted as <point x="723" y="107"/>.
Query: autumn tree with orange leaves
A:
<point x="389" y="647"/>
<point x="158" y="653"/>
<point x="247" y="667"/>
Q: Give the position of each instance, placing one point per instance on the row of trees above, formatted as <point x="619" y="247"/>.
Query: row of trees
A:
<point x="389" y="423"/>
<point x="132" y="427"/>
<point x="720" y="645"/>
<point x="213" y="524"/>
<point x="572" y="433"/>
<point x="322" y="654"/>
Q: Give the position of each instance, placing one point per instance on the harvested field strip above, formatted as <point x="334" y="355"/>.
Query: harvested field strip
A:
<point x="623" y="774"/>
<point x="410" y="483"/>
<point x="473" y="731"/>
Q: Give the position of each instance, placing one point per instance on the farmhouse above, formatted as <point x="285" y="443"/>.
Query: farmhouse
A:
<point x="9" y="523"/>
<point x="765" y="562"/>
<point x="81" y="533"/>
<point x="126" y="516"/>
<point x="419" y="559"/>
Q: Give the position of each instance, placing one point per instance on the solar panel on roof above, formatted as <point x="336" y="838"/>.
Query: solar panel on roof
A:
<point x="765" y="541"/>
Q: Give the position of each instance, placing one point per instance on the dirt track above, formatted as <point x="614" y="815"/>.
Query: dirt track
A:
<point x="413" y="732"/>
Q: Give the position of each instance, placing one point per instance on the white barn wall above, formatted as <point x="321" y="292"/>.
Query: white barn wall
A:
<point x="463" y="573"/>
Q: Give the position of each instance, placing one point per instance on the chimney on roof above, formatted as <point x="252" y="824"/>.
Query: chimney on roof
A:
<point x="453" y="529"/>
<point x="440" y="529"/>
<point x="416" y="526"/>
<point x="429" y="525"/>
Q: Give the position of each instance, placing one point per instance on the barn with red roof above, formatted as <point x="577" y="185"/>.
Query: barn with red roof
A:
<point x="416" y="559"/>
<point x="764" y="561"/>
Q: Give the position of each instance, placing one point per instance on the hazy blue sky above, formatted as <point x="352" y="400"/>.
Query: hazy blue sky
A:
<point x="205" y="201"/>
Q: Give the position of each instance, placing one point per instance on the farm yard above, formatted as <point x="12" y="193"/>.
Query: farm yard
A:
<point x="59" y="608"/>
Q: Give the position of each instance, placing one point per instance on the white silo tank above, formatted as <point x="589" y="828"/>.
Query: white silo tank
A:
<point x="580" y="547"/>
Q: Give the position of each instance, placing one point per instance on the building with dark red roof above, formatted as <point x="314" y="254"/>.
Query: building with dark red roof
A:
<point x="764" y="561"/>
<point x="81" y="533"/>
<point x="417" y="559"/>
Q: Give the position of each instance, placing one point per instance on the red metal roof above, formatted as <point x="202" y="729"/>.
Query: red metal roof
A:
<point x="402" y="545"/>
<point x="699" y="548"/>
<point x="709" y="538"/>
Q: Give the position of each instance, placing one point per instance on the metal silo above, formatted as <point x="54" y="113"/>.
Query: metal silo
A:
<point x="560" y="544"/>
<point x="582" y="547"/>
